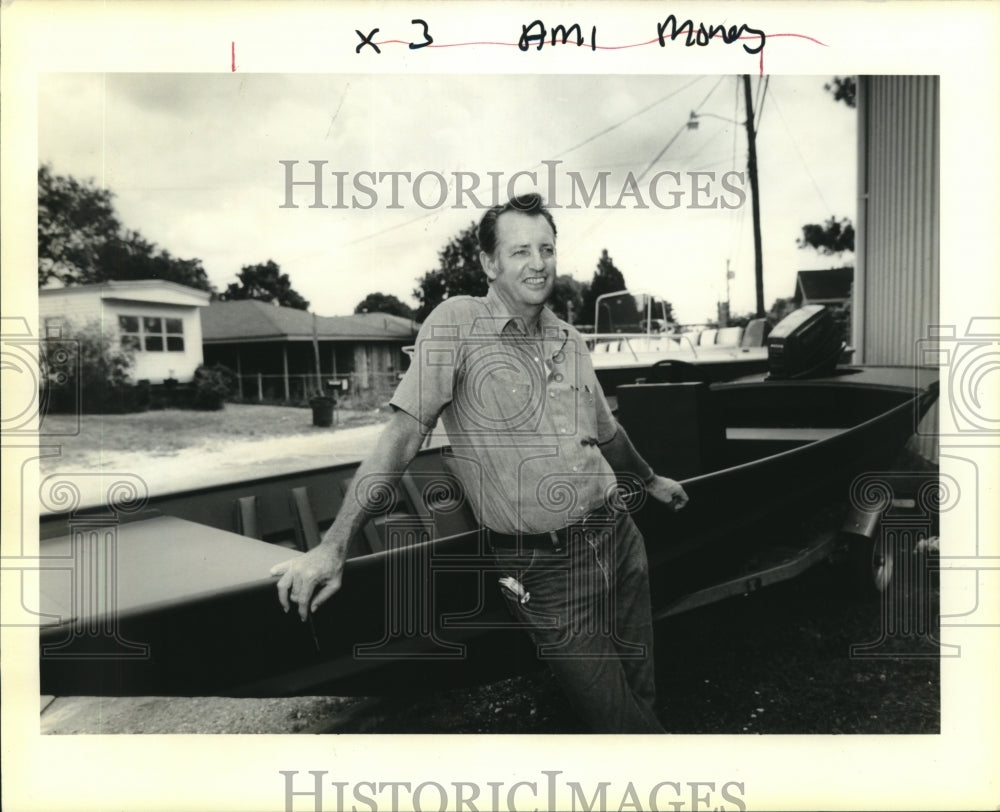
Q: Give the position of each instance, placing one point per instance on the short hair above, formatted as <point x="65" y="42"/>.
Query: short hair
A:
<point x="530" y="203"/>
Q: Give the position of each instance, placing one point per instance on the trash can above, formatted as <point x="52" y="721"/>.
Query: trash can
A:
<point x="322" y="407"/>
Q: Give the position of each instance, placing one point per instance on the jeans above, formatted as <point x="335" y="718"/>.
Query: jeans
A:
<point x="587" y="609"/>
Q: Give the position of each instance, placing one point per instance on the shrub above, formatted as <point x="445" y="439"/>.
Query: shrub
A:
<point x="96" y="378"/>
<point x="212" y="386"/>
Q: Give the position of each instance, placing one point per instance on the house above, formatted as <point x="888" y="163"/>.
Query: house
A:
<point x="831" y="286"/>
<point x="158" y="320"/>
<point x="277" y="352"/>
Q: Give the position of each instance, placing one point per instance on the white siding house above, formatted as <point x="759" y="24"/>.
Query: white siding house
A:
<point x="160" y="321"/>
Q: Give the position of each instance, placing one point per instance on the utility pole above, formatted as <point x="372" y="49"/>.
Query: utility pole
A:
<point x="315" y="343"/>
<point x="729" y="275"/>
<point x="755" y="197"/>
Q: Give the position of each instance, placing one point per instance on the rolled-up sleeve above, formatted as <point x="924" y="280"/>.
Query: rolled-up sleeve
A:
<point x="427" y="386"/>
<point x="607" y="426"/>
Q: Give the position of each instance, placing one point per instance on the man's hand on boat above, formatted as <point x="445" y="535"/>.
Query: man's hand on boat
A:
<point x="667" y="491"/>
<point x="318" y="571"/>
<point x="312" y="578"/>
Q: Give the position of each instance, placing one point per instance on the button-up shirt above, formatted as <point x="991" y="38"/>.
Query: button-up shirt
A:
<point x="524" y="413"/>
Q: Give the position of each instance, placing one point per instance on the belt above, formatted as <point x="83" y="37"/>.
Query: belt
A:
<point x="552" y="540"/>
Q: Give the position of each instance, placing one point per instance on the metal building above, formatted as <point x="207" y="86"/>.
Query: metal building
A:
<point x="897" y="275"/>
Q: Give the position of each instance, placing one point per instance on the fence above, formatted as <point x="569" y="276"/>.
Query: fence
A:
<point x="352" y="391"/>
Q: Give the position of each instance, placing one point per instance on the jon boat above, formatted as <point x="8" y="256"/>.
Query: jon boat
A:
<point x="172" y="596"/>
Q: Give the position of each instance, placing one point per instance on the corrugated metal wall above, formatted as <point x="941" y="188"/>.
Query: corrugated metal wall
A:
<point x="897" y="280"/>
<point x="899" y="220"/>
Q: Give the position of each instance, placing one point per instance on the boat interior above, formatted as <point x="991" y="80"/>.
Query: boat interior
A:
<point x="685" y="430"/>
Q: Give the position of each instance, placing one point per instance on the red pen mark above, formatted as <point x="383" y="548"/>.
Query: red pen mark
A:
<point x="233" y="53"/>
<point x="596" y="47"/>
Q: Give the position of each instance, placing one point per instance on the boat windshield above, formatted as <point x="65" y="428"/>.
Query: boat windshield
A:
<point x="625" y="312"/>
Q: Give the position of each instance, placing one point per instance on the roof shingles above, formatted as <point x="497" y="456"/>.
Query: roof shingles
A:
<point x="254" y="320"/>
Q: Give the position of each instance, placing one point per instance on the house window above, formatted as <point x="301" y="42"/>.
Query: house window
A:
<point x="151" y="333"/>
<point x="128" y="327"/>
<point x="53" y="326"/>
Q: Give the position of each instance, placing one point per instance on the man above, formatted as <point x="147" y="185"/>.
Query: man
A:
<point x="536" y="448"/>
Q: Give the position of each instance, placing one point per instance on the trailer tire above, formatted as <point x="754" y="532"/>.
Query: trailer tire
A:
<point x="872" y="564"/>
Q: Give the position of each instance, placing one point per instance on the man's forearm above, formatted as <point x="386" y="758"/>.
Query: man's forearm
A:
<point x="623" y="457"/>
<point x="379" y="473"/>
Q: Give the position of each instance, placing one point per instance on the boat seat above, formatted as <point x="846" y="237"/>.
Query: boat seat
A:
<point x="673" y="370"/>
<point x="706" y="338"/>
<point x="438" y="495"/>
<point x="303" y="519"/>
<point x="247" y="521"/>
<point x="676" y="427"/>
<point x="755" y="334"/>
<point x="386" y="530"/>
<point x="729" y="337"/>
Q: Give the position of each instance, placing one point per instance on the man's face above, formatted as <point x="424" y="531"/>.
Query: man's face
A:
<point x="523" y="267"/>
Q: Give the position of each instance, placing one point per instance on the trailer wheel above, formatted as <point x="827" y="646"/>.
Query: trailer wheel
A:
<point x="872" y="564"/>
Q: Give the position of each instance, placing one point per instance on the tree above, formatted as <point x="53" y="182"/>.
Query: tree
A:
<point x="567" y="299"/>
<point x="833" y="237"/>
<point x="843" y="88"/>
<point x="666" y="308"/>
<point x="81" y="241"/>
<point x="131" y="256"/>
<point x="607" y="279"/>
<point x="265" y="283"/>
<point x="75" y="221"/>
<point x="740" y="319"/>
<point x="384" y="303"/>
<point x="780" y="309"/>
<point x="458" y="273"/>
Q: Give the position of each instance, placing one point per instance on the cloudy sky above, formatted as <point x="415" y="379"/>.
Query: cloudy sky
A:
<point x="194" y="163"/>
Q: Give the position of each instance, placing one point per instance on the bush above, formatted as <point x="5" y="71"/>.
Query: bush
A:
<point x="94" y="379"/>
<point x="212" y="386"/>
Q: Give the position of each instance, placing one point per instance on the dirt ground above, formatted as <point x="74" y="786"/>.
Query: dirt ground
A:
<point x="173" y="450"/>
<point x="158" y="438"/>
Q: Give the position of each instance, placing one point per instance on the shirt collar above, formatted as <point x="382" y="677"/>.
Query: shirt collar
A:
<point x="554" y="334"/>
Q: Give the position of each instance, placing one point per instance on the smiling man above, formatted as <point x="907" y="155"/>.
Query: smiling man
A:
<point x="536" y="449"/>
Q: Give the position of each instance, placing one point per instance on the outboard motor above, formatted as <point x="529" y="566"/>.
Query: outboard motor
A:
<point x="804" y="344"/>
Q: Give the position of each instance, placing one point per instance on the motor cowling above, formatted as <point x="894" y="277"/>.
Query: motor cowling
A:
<point x="806" y="343"/>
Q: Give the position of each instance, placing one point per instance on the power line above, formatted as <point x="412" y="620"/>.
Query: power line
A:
<point x="594" y="137"/>
<point x="798" y="152"/>
<point x="705" y="145"/>
<point x="659" y="155"/>
<point x="676" y="135"/>
<point x="736" y="114"/>
<point x="763" y="98"/>
<point x="710" y="92"/>
<point x="615" y="126"/>
<point x="756" y="100"/>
